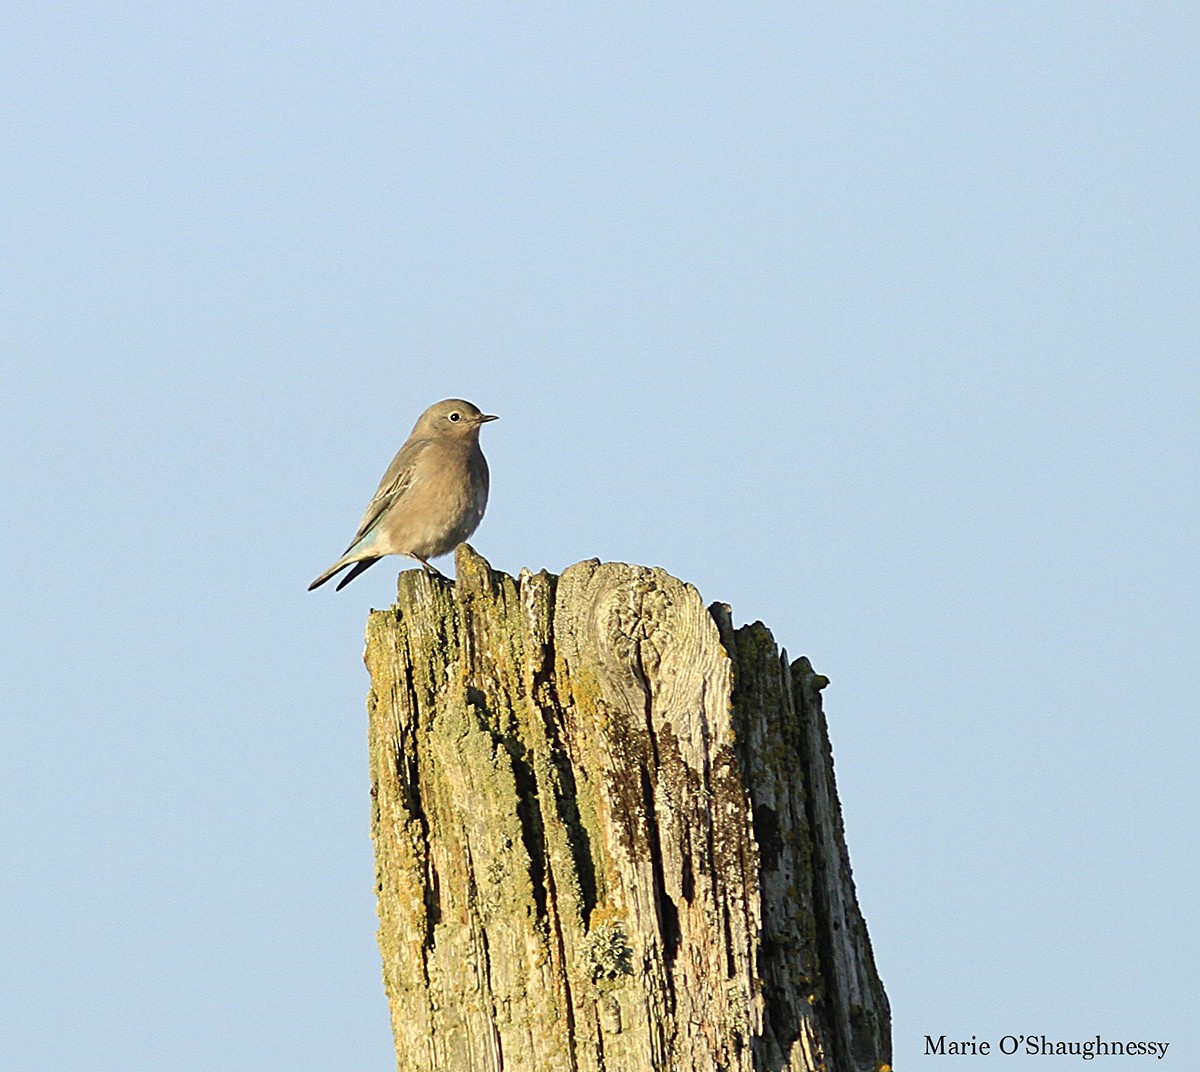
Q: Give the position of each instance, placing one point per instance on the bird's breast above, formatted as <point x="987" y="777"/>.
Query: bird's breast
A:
<point x="443" y="505"/>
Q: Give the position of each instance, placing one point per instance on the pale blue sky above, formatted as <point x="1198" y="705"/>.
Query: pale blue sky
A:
<point x="877" y="321"/>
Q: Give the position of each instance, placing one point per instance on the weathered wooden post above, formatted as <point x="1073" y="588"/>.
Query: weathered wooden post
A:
<point x="607" y="835"/>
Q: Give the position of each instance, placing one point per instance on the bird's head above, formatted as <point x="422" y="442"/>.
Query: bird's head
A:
<point x="452" y="417"/>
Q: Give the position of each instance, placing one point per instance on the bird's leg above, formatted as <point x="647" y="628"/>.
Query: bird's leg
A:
<point x="433" y="571"/>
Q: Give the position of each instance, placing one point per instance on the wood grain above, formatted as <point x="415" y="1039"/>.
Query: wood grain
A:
<point x="607" y="834"/>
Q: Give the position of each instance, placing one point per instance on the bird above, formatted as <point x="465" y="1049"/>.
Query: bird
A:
<point x="431" y="498"/>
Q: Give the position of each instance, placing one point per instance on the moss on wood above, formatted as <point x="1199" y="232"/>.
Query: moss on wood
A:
<point x="607" y="834"/>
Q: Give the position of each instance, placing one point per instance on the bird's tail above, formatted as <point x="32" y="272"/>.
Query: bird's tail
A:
<point x="359" y="564"/>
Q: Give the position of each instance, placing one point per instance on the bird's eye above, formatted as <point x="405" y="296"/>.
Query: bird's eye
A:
<point x="455" y="416"/>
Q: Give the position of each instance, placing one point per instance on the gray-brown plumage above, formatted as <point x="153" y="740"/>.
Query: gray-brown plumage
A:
<point x="431" y="498"/>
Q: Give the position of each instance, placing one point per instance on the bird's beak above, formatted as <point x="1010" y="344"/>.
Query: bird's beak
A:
<point x="485" y="417"/>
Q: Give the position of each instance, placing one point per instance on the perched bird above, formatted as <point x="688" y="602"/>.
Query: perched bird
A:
<point x="430" y="499"/>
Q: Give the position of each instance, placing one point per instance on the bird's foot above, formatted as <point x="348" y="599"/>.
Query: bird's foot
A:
<point x="432" y="571"/>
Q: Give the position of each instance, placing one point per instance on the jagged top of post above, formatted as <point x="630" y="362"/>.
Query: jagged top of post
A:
<point x="615" y="592"/>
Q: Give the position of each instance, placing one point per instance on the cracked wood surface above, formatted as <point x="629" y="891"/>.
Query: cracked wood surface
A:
<point x="607" y="834"/>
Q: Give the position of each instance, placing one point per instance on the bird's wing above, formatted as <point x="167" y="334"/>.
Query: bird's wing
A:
<point x="396" y="481"/>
